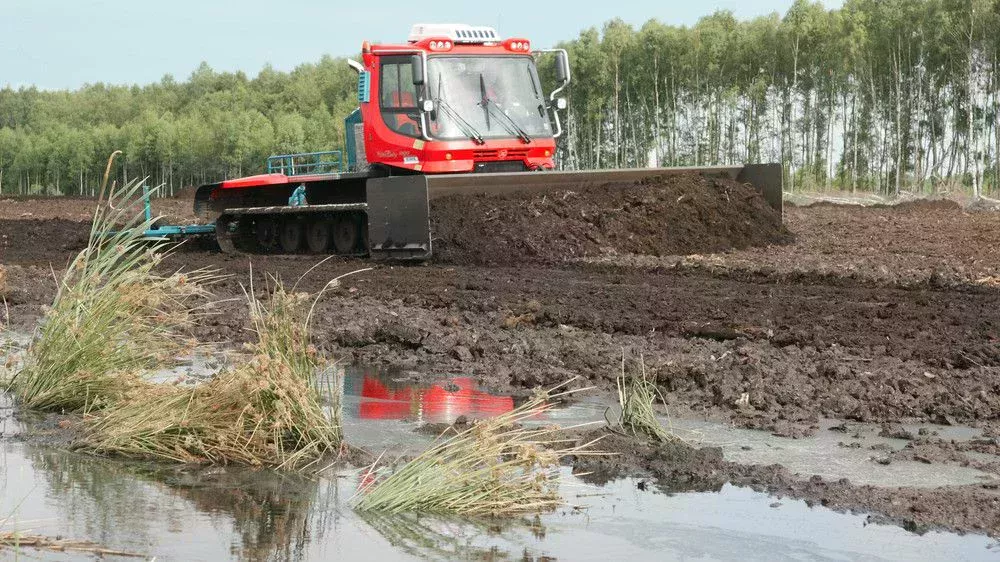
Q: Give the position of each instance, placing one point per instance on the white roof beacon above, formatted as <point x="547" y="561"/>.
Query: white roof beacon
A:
<point x="457" y="32"/>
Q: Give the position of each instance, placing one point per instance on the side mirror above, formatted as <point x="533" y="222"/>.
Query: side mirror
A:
<point x="417" y="63"/>
<point x="562" y="67"/>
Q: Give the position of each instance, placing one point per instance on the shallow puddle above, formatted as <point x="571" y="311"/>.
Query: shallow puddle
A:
<point x="373" y="398"/>
<point x="177" y="514"/>
<point x="830" y="454"/>
<point x="383" y="411"/>
<point x="181" y="513"/>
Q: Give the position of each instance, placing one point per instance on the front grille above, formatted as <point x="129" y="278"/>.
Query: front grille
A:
<point x="500" y="167"/>
<point x="501" y="154"/>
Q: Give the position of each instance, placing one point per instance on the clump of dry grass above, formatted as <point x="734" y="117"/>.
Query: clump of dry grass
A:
<point x="3" y="282"/>
<point x="266" y="412"/>
<point x="112" y="316"/>
<point x="637" y="395"/>
<point x="496" y="467"/>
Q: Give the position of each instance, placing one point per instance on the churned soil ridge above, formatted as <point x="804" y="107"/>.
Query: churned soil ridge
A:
<point x="660" y="216"/>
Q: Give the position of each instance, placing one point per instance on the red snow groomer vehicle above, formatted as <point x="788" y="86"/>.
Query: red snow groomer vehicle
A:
<point x="456" y="109"/>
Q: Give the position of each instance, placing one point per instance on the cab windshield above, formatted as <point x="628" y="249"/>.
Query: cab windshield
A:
<point x="486" y="98"/>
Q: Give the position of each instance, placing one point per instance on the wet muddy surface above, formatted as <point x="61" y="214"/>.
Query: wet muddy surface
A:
<point x="194" y="513"/>
<point x="193" y="516"/>
<point x="81" y="209"/>
<point x="872" y="316"/>
<point x="917" y="244"/>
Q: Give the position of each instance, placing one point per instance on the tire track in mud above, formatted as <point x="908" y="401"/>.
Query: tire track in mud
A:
<point x="947" y="329"/>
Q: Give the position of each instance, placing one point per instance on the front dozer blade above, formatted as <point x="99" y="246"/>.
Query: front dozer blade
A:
<point x="766" y="178"/>
<point x="398" y="218"/>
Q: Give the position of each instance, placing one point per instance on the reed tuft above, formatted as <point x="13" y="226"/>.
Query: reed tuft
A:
<point x="497" y="467"/>
<point x="637" y="395"/>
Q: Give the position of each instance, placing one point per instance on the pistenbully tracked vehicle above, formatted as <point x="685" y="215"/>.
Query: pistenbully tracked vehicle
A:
<point x="457" y="109"/>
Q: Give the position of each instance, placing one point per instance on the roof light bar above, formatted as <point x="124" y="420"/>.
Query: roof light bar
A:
<point x="438" y="44"/>
<point x="517" y="45"/>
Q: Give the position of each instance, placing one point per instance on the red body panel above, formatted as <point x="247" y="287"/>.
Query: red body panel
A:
<point x="262" y="180"/>
<point x="255" y="181"/>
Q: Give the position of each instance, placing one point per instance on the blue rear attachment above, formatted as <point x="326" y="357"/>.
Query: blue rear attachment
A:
<point x="364" y="92"/>
<point x="307" y="163"/>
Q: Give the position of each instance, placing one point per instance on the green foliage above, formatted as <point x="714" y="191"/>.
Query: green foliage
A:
<point x="266" y="412"/>
<point x="877" y="95"/>
<point x="637" y="395"/>
<point x="212" y="126"/>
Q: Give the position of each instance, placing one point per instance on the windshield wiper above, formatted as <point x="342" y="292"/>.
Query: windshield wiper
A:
<point x="512" y="126"/>
<point x="467" y="128"/>
<point x="485" y="106"/>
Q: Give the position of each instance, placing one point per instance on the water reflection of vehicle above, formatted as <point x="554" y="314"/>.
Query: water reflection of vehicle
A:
<point x="440" y="402"/>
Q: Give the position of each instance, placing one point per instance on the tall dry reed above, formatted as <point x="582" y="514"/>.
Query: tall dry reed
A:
<point x="637" y="394"/>
<point x="113" y="315"/>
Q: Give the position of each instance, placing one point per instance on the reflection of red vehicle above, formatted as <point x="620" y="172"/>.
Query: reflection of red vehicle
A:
<point x="435" y="403"/>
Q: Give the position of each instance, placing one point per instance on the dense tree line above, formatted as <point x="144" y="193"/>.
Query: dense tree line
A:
<point x="213" y="125"/>
<point x="878" y="95"/>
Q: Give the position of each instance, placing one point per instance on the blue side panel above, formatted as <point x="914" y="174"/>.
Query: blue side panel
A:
<point x="364" y="92"/>
<point x="179" y="231"/>
<point x="352" y="144"/>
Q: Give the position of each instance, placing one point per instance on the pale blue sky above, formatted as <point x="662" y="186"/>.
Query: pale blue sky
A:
<point x="66" y="43"/>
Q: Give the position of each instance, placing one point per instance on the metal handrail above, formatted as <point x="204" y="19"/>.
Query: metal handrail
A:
<point x="307" y="163"/>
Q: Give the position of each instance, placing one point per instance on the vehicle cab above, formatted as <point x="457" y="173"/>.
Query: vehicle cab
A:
<point x="456" y="98"/>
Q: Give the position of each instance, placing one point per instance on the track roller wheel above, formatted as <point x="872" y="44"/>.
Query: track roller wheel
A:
<point x="224" y="234"/>
<point x="363" y="225"/>
<point x="346" y="231"/>
<point x="319" y="232"/>
<point x="266" y="233"/>
<point x="290" y="235"/>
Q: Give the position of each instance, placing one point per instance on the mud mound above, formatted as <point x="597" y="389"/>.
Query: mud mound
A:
<point x="929" y="205"/>
<point x="41" y="242"/>
<point x="669" y="215"/>
<point x="186" y="192"/>
<point x="679" y="467"/>
<point x="823" y="205"/>
<point x="915" y="205"/>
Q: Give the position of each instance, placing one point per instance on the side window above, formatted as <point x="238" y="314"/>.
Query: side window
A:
<point x="399" y="96"/>
<point x="390" y="84"/>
